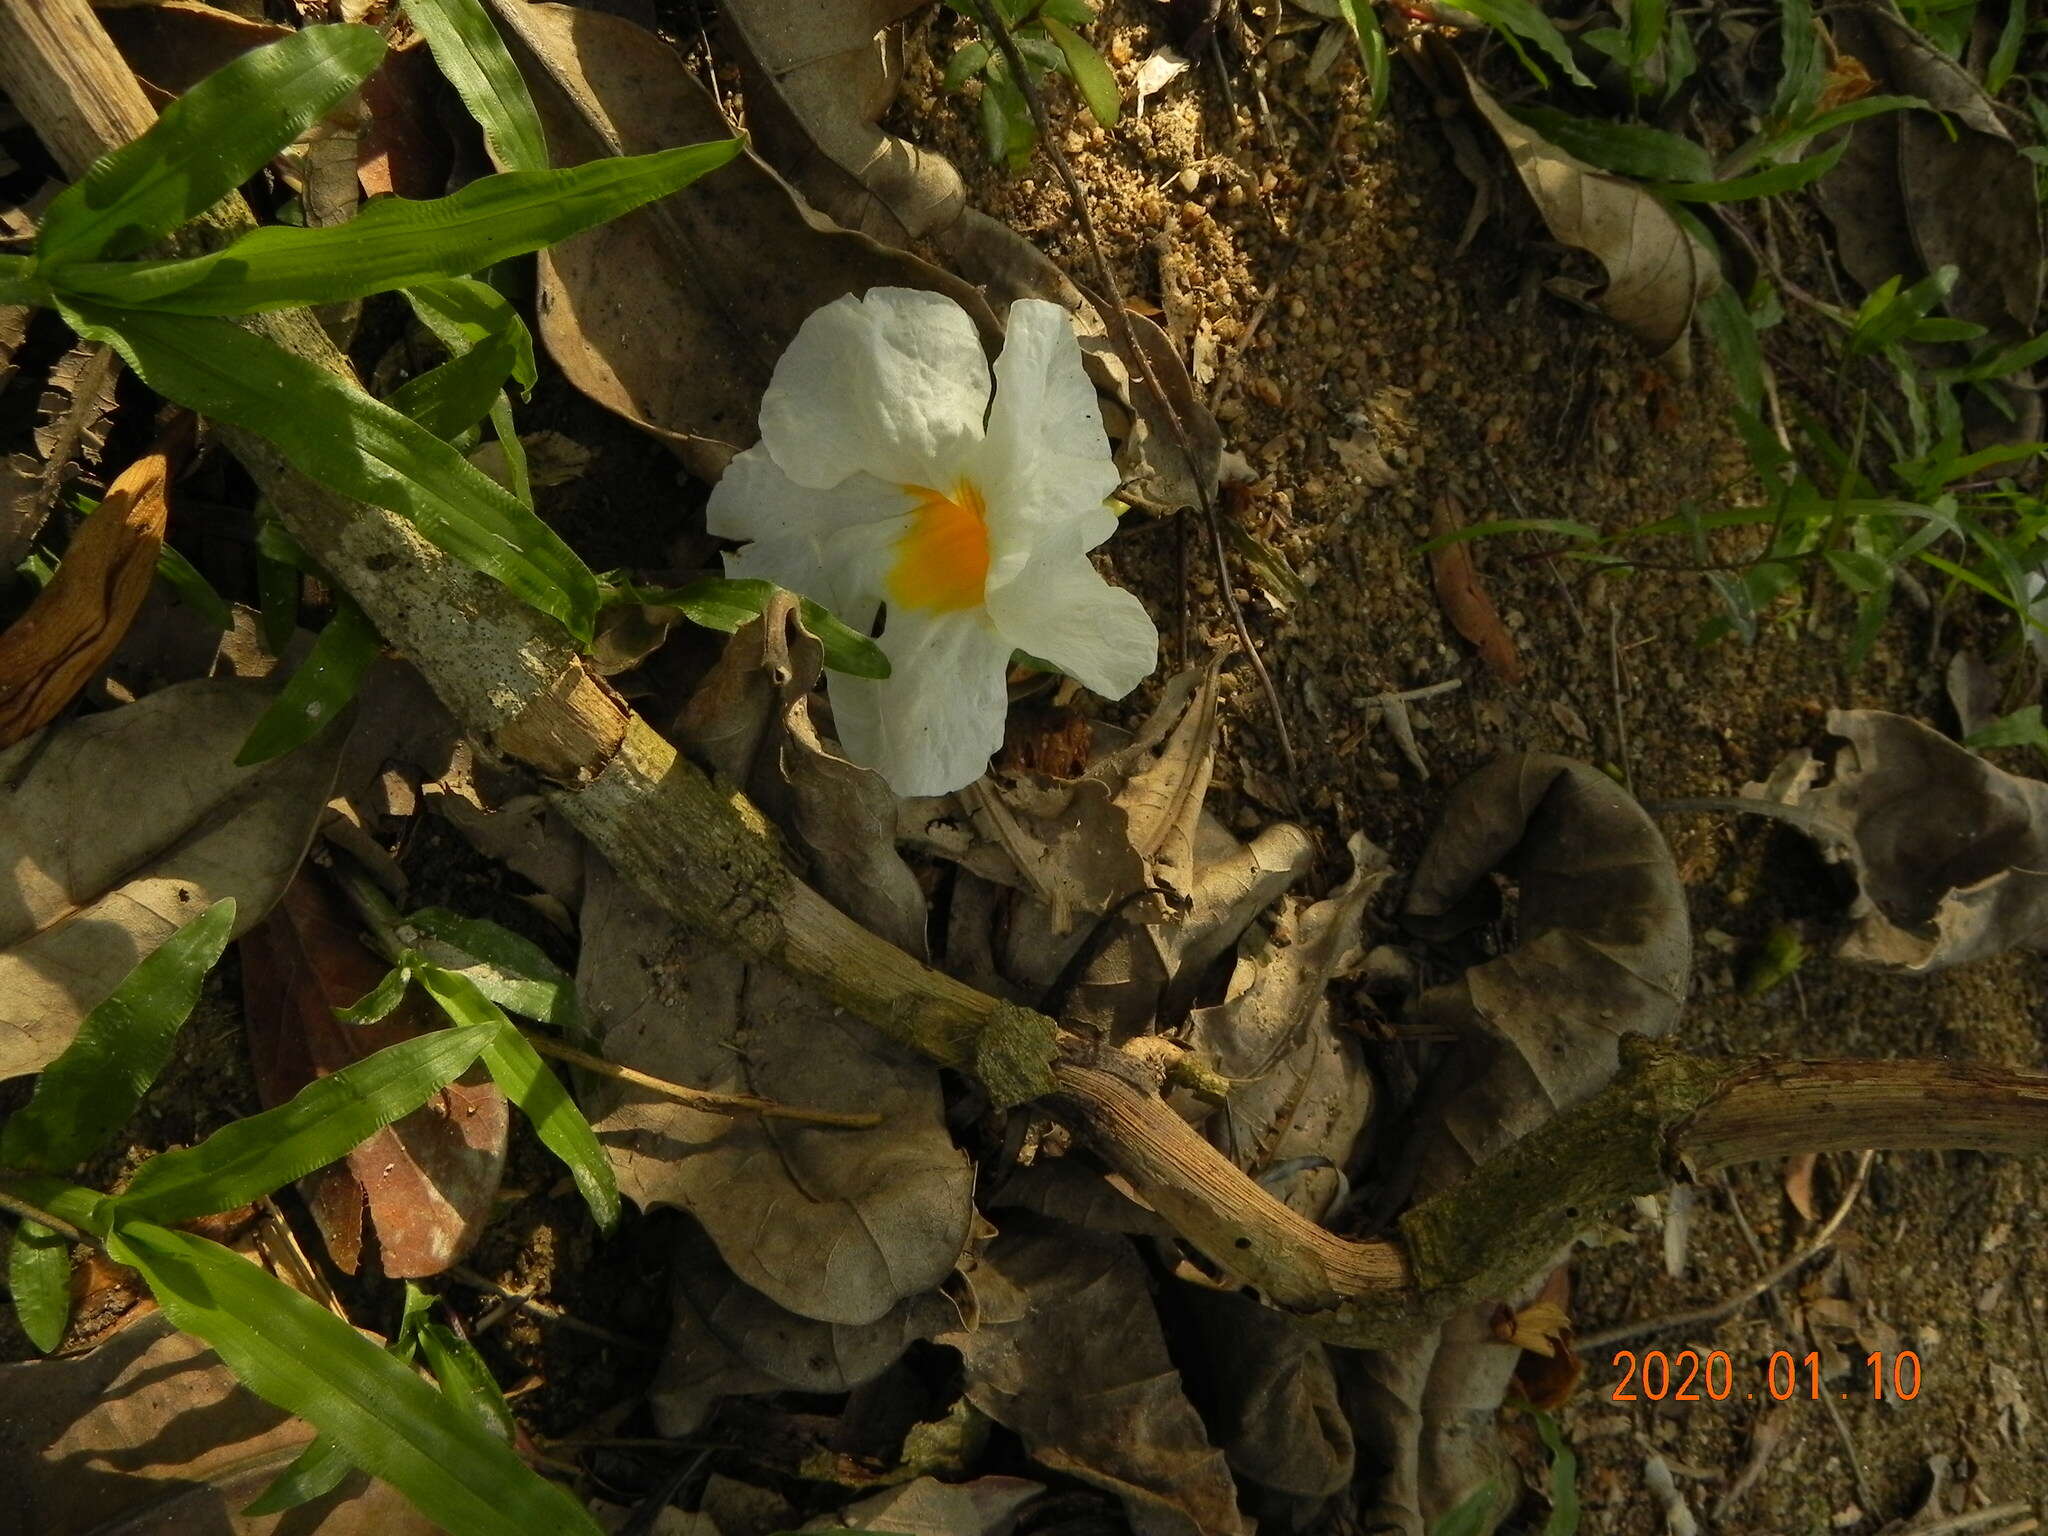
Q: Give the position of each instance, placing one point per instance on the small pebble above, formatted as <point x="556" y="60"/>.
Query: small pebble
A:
<point x="1190" y="178"/>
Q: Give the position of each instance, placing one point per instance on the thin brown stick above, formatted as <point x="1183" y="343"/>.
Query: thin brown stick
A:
<point x="698" y="1098"/>
<point x="1700" y="1317"/>
<point x="547" y="1314"/>
<point x="1120" y="327"/>
<point x="29" y="1211"/>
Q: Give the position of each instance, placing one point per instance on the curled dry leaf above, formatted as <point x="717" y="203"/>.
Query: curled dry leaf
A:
<point x="1301" y="1092"/>
<point x="1464" y="599"/>
<point x="1919" y="190"/>
<point x="93" y="892"/>
<point x="1657" y="274"/>
<point x="816" y="84"/>
<point x="1604" y="948"/>
<point x="669" y="316"/>
<point x="1071" y="1358"/>
<point x="60" y="643"/>
<point x="428" y="1180"/>
<point x="150" y="1433"/>
<point x="1949" y="854"/>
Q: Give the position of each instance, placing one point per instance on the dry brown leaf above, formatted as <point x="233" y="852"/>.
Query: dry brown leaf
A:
<point x="1464" y="599"/>
<point x="1950" y="854"/>
<point x="174" y="44"/>
<point x="669" y="316"/>
<point x="1657" y="274"/>
<point x="150" y="1433"/>
<point x="59" y="645"/>
<point x="1896" y="197"/>
<point x="428" y="1181"/>
<point x="94" y="892"/>
<point x="1075" y="1364"/>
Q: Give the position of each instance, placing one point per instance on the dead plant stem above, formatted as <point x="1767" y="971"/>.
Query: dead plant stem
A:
<point x="698" y="1098"/>
<point x="1120" y="329"/>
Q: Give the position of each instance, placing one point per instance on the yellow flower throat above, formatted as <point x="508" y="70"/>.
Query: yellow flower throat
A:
<point x="942" y="559"/>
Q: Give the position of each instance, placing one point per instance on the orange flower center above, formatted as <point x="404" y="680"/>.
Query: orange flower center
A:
<point x="942" y="560"/>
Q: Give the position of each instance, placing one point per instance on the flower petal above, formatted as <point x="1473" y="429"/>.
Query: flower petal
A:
<point x="1047" y="457"/>
<point x="895" y="384"/>
<point x="1059" y="608"/>
<point x="931" y="726"/>
<point x="832" y="546"/>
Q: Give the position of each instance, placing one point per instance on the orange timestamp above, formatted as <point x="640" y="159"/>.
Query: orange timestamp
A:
<point x="1692" y="1377"/>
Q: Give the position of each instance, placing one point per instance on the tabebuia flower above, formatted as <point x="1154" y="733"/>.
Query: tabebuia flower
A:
<point x="889" y="483"/>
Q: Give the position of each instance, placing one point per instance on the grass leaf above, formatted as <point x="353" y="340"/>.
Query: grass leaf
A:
<point x="91" y="1090"/>
<point x="1090" y="75"/>
<point x="323" y="1122"/>
<point x="512" y="972"/>
<point x="396" y="242"/>
<point x="517" y="1069"/>
<point x="39" y="1279"/>
<point x="323" y="686"/>
<point x="470" y="53"/>
<point x="291" y="1351"/>
<point x="722" y="603"/>
<point x="331" y="430"/>
<point x="207" y="143"/>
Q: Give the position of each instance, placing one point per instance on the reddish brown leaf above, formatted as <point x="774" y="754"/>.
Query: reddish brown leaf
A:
<point x="69" y="631"/>
<point x="1464" y="600"/>
<point x="427" y="1181"/>
<point x="1798" y="1177"/>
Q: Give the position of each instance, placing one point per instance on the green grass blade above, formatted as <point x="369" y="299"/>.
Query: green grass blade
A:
<point x="1563" y="527"/>
<point x="192" y="588"/>
<point x="452" y="398"/>
<point x="39" y="1279"/>
<point x="91" y="1090"/>
<point x="314" y="1472"/>
<point x="465" y="1380"/>
<point x="323" y="686"/>
<point x="331" y="430"/>
<point x="293" y="1352"/>
<point x="207" y="143"/>
<point x="1090" y="75"/>
<point x="1627" y="149"/>
<point x="1564" y="1478"/>
<point x="1364" y="23"/>
<point x="323" y="1122"/>
<point x="512" y="972"/>
<point x="1799" y="50"/>
<point x="463" y="311"/>
<point x="517" y="1069"/>
<point x="722" y="603"/>
<point x="470" y="53"/>
<point x="2006" y="56"/>
<point x="1521" y="18"/>
<point x="396" y="242"/>
<point x="1769" y="182"/>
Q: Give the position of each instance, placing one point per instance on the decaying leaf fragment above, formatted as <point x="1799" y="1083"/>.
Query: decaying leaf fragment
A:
<point x="60" y="643"/>
<point x="71" y="430"/>
<point x="669" y="316"/>
<point x="426" y="1182"/>
<point x="1949" y="853"/>
<point x="1464" y="598"/>
<point x="1919" y="190"/>
<point x="1657" y="274"/>
<point x="150" y="1433"/>
<point x="94" y="891"/>
<point x="1069" y="1355"/>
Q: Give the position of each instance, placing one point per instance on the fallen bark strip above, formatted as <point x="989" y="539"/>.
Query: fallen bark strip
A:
<point x="707" y="856"/>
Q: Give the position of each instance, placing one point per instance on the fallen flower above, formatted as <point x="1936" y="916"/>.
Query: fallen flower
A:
<point x="886" y="482"/>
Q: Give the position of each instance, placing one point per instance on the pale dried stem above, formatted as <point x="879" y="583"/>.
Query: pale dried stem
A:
<point x="697" y="1098"/>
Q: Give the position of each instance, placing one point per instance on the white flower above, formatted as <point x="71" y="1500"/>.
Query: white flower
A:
<point x="884" y="476"/>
